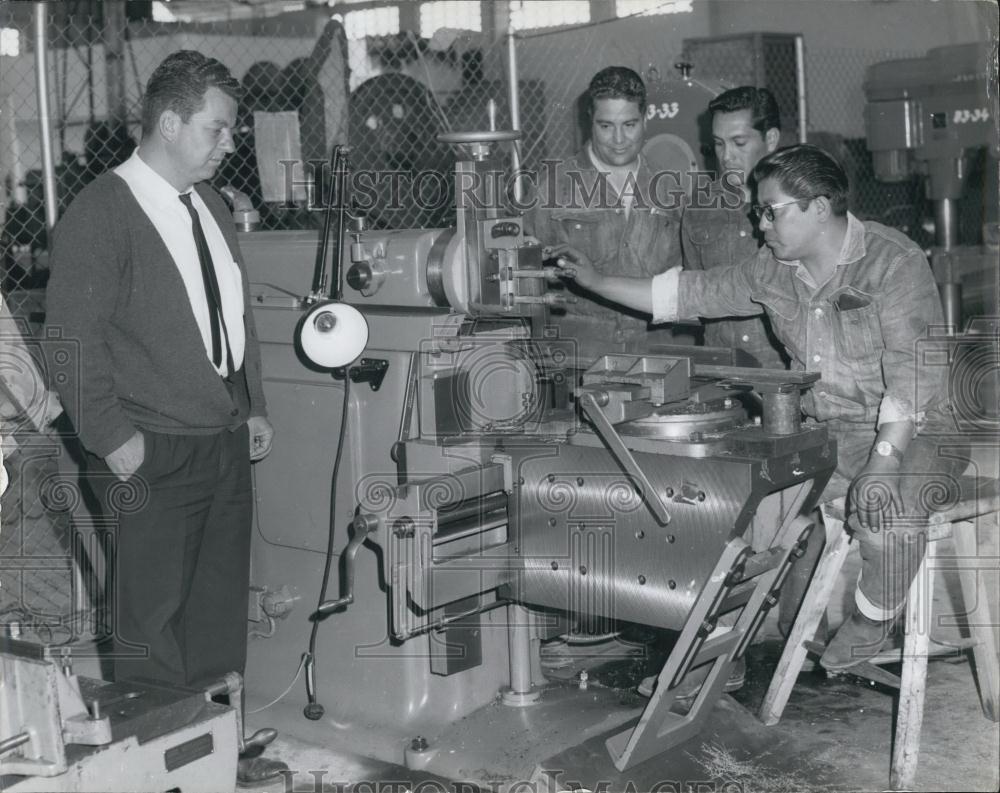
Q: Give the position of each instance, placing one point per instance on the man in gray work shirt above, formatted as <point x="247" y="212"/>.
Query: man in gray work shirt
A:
<point x="854" y="301"/>
<point x="717" y="230"/>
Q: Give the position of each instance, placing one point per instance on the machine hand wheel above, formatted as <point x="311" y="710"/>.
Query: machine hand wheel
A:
<point x="480" y="136"/>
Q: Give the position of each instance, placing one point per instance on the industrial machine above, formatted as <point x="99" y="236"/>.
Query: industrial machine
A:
<point x="937" y="116"/>
<point x="930" y="115"/>
<point x="62" y="732"/>
<point x="452" y="484"/>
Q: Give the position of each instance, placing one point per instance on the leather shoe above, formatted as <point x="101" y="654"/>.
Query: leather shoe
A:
<point x="689" y="687"/>
<point x="251" y="771"/>
<point x="859" y="639"/>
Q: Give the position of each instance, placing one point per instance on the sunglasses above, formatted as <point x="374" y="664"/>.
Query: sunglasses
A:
<point x="767" y="210"/>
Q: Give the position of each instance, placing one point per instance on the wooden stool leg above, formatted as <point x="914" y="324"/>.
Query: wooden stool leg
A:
<point x="810" y="613"/>
<point x="913" y="680"/>
<point x="975" y="597"/>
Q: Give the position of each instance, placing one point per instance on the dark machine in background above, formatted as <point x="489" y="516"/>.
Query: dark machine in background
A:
<point x="678" y="129"/>
<point x="770" y="60"/>
<point x="936" y="116"/>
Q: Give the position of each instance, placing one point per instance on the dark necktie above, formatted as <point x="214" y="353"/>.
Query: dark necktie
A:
<point x="211" y="288"/>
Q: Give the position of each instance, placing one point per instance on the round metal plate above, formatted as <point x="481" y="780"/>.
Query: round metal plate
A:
<point x="679" y="421"/>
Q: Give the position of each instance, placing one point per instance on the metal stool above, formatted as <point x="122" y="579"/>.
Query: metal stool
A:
<point x="958" y="523"/>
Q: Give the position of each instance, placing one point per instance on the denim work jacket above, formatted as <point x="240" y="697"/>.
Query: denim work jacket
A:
<point x="641" y="243"/>
<point x="865" y="330"/>
<point x="719" y="235"/>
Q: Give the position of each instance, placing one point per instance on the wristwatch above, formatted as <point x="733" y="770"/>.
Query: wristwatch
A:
<point x="886" y="449"/>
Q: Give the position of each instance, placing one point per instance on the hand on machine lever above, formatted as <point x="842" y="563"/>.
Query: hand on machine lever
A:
<point x="574" y="265"/>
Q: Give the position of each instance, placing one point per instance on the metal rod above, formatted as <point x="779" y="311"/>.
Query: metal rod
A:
<point x="113" y="35"/>
<point x="606" y="431"/>
<point x="344" y="201"/>
<point x="44" y="121"/>
<point x="946" y="239"/>
<point x="951" y="304"/>
<point x="519" y="638"/>
<point x="800" y="87"/>
<point x="945" y="223"/>
<point x="477" y="506"/>
<point x="321" y="287"/>
<point x="515" y="114"/>
<point x="13" y="742"/>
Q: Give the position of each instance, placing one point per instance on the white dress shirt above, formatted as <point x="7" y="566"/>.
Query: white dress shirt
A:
<point x="161" y="203"/>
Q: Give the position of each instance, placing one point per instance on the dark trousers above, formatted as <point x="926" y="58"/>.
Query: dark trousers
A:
<point x="182" y="560"/>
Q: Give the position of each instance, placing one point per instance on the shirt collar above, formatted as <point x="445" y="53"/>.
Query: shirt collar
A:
<point x="851" y="250"/>
<point x="600" y="165"/>
<point x="148" y="183"/>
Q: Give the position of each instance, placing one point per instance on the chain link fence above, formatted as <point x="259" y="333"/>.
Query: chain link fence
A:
<point x="388" y="95"/>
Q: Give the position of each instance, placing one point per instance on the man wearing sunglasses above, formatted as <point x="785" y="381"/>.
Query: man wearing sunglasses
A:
<point x="717" y="229"/>
<point x="854" y="301"/>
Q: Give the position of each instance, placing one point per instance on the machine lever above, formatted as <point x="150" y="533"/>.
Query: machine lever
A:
<point x="231" y="684"/>
<point x="9" y="744"/>
<point x="260" y="739"/>
<point x="361" y="527"/>
<point x="588" y="401"/>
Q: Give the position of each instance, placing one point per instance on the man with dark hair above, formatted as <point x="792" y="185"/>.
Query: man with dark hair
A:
<point x="600" y="201"/>
<point x="167" y="397"/>
<point x="717" y="231"/>
<point x="852" y="300"/>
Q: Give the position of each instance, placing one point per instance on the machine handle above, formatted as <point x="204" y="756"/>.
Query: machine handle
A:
<point x="589" y="403"/>
<point x="9" y="744"/>
<point x="361" y="527"/>
<point x="231" y="684"/>
<point x="480" y="136"/>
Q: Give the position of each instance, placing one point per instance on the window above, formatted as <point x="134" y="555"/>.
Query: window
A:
<point x="10" y="41"/>
<point x="161" y="13"/>
<point x="461" y="14"/>
<point x="358" y="62"/>
<point x="382" y="21"/>
<point x="525" y="14"/>
<point x="627" y="8"/>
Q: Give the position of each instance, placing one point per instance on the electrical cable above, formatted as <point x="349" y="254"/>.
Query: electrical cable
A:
<point x="302" y="663"/>
<point x="314" y="710"/>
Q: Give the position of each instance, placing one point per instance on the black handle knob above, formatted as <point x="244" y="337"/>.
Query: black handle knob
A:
<point x="359" y="276"/>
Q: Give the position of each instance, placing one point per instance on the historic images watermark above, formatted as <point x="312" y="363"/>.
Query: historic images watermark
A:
<point x="323" y="780"/>
<point x="552" y="186"/>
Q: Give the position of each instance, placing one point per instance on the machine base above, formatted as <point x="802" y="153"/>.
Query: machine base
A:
<point x="493" y="746"/>
<point x="162" y="739"/>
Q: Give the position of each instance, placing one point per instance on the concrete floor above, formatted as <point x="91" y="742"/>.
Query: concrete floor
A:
<point x="836" y="734"/>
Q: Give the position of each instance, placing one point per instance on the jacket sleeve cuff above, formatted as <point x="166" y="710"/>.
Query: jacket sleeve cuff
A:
<point x="894" y="408"/>
<point x="104" y="446"/>
<point x="664" y="288"/>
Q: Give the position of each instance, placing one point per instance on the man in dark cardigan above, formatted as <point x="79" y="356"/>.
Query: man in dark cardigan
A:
<point x="167" y="400"/>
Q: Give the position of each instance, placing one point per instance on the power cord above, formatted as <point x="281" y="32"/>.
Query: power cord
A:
<point x="314" y="710"/>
